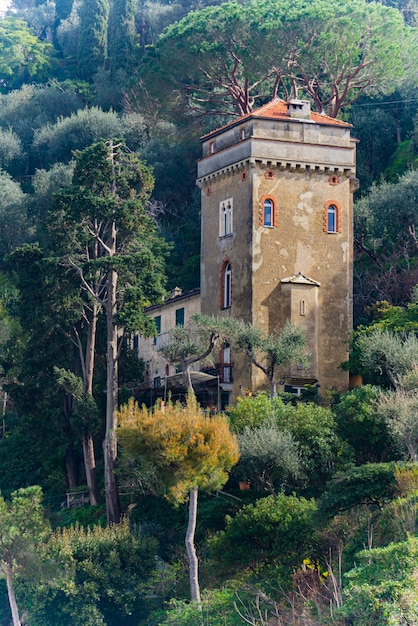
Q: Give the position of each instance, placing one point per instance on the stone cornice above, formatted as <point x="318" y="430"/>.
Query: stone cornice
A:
<point x="281" y="165"/>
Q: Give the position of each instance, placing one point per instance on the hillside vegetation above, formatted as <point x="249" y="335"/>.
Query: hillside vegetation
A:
<point x="102" y="103"/>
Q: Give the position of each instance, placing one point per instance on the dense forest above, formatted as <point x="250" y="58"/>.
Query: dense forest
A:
<point x="102" y="103"/>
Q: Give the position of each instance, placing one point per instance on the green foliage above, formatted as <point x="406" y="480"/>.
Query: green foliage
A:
<point x="270" y="458"/>
<point x="85" y="516"/>
<point x="121" y="34"/>
<point x="92" y="45"/>
<point x="23" y="528"/>
<point x="383" y="589"/>
<point x="105" y="578"/>
<point x="396" y="356"/>
<point x="388" y="214"/>
<point x="390" y="322"/>
<point x="10" y="148"/>
<point x="270" y="352"/>
<point x="403" y="159"/>
<point x="87" y="206"/>
<point x="40" y="343"/>
<point x="312" y="427"/>
<point x="360" y="424"/>
<point x="22" y="54"/>
<point x="399" y="409"/>
<point x="217" y="609"/>
<point x="160" y="518"/>
<point x="251" y="412"/>
<point x="384" y="224"/>
<point x="45" y="183"/>
<point x="67" y="35"/>
<point x="225" y="56"/>
<point x="397" y="319"/>
<point x="86" y="418"/>
<point x="39" y="16"/>
<point x="377" y="130"/>
<point x="185" y="346"/>
<point x="275" y="531"/>
<point x="388" y="352"/>
<point x="32" y="106"/>
<point x="371" y="484"/>
<point x="399" y="519"/>
<point x="13" y="218"/>
<point x="57" y="142"/>
<point x="23" y="460"/>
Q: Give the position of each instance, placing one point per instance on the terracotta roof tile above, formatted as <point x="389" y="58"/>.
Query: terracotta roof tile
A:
<point x="277" y="109"/>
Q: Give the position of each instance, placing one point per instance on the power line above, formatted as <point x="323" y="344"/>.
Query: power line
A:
<point x="378" y="104"/>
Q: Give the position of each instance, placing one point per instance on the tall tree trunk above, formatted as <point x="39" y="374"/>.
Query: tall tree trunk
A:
<point x="12" y="597"/>
<point x="87" y="439"/>
<point x="190" y="547"/>
<point x="71" y="471"/>
<point x="90" y="469"/>
<point x="110" y="442"/>
<point x="68" y="410"/>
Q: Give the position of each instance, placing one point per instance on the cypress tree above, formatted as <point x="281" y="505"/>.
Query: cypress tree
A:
<point x="121" y="34"/>
<point x="92" y="47"/>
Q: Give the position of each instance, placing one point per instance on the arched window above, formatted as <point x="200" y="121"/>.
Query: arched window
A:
<point x="225" y="218"/>
<point x="268" y="212"/>
<point x="332" y="217"/>
<point x="226" y="285"/>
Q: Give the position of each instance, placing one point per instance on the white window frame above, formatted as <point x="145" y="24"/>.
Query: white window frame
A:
<point x="226" y="212"/>
<point x="270" y="203"/>
<point x="332" y="217"/>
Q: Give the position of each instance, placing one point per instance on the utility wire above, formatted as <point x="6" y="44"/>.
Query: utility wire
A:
<point x="378" y="104"/>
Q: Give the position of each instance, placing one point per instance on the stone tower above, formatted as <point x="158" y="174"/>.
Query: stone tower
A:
<point x="277" y="237"/>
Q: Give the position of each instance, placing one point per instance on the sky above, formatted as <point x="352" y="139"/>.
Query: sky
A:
<point x="4" y="4"/>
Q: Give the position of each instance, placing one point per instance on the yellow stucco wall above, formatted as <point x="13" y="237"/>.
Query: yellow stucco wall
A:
<point x="302" y="166"/>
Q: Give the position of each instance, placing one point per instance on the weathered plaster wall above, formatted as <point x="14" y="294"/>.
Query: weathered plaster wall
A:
<point x="303" y="166"/>
<point x="156" y="365"/>
<point x="299" y="244"/>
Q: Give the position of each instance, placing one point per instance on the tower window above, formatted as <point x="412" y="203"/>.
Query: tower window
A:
<point x="226" y="218"/>
<point x="180" y="317"/>
<point x="226" y="285"/>
<point x="332" y="218"/>
<point x="157" y="322"/>
<point x="268" y="212"/>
